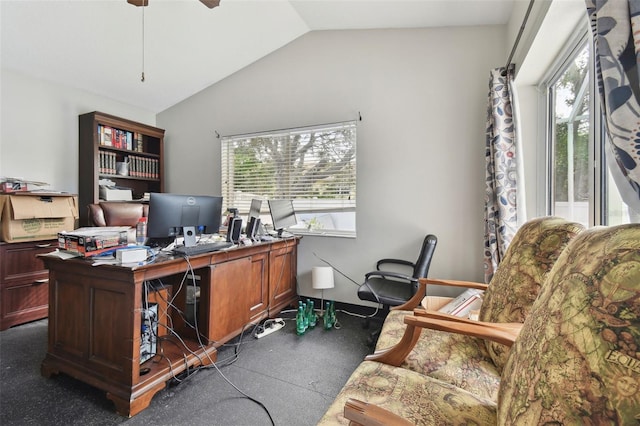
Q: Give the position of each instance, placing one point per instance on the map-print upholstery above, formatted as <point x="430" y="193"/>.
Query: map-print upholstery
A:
<point x="412" y="396"/>
<point x="532" y="253"/>
<point x="466" y="361"/>
<point x="575" y="362"/>
<point x="453" y="358"/>
<point x="577" y="358"/>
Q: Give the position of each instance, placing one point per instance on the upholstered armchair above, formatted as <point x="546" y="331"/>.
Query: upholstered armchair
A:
<point x="116" y="213"/>
<point x="576" y="359"/>
<point x="468" y="362"/>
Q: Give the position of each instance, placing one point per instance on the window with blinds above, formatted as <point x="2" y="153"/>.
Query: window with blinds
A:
<point x="315" y="167"/>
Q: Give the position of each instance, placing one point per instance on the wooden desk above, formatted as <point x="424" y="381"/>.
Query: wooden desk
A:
<point x="95" y="315"/>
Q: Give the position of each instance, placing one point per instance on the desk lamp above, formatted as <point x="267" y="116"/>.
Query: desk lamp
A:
<point x="322" y="278"/>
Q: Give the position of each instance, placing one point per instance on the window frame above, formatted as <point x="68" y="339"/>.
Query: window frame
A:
<point x="308" y="208"/>
<point x="600" y="210"/>
<point x="572" y="47"/>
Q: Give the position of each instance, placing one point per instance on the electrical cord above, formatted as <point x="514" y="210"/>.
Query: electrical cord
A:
<point x="228" y="361"/>
<point x="190" y="372"/>
<point x="354" y="282"/>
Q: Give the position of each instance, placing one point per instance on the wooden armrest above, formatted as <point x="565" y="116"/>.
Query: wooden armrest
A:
<point x="396" y="354"/>
<point x="363" y="413"/>
<point x="448" y="317"/>
<point x="454" y="283"/>
<point x="417" y="298"/>
<point x="504" y="333"/>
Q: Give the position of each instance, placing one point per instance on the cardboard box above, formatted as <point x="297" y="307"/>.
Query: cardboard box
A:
<point x="433" y="303"/>
<point x="29" y="216"/>
<point x="92" y="241"/>
<point x="13" y="186"/>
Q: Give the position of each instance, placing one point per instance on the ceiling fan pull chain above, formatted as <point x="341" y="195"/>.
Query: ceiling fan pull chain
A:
<point x="142" y="76"/>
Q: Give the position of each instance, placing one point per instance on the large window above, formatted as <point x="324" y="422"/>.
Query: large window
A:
<point x="313" y="166"/>
<point x="580" y="185"/>
<point x="569" y="94"/>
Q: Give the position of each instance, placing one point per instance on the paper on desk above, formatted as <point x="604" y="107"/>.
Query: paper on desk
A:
<point x="64" y="255"/>
<point x="105" y="260"/>
<point x="114" y="261"/>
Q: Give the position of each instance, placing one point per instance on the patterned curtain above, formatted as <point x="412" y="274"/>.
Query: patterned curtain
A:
<point x="615" y="25"/>
<point x="504" y="202"/>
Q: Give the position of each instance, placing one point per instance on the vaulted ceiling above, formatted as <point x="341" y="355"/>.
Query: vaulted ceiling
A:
<point x="98" y="45"/>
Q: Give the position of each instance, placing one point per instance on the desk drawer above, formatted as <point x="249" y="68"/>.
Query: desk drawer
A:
<point x="24" y="301"/>
<point x="24" y="282"/>
<point x="19" y="260"/>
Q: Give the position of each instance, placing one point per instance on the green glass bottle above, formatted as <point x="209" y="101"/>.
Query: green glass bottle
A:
<point x="332" y="309"/>
<point x="313" y="318"/>
<point x="300" y="321"/>
<point x="305" y="317"/>
<point x="327" y="317"/>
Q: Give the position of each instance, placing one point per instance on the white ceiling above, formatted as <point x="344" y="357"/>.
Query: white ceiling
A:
<point x="97" y="45"/>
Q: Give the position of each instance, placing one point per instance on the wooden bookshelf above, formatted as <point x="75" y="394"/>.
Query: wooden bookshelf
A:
<point x="105" y="140"/>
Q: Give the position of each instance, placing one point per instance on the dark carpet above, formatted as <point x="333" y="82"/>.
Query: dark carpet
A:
<point x="295" y="377"/>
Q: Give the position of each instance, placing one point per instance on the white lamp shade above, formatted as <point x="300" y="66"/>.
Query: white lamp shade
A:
<point x="322" y="277"/>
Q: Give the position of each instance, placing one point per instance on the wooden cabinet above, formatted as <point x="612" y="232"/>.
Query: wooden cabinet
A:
<point x="105" y="141"/>
<point x="24" y="289"/>
<point x="282" y="274"/>
<point x="95" y="325"/>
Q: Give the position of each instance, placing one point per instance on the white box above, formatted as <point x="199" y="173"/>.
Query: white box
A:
<point x="131" y="255"/>
<point x="111" y="194"/>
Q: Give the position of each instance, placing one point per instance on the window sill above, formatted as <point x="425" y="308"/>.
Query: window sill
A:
<point x="325" y="233"/>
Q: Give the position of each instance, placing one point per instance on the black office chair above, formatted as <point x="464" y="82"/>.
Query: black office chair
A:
<point x="391" y="288"/>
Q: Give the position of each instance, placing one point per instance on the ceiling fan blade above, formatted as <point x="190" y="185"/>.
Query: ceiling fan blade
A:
<point x="210" y="3"/>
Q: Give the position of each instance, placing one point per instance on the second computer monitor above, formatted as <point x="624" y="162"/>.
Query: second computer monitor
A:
<point x="254" y="210"/>
<point x="282" y="214"/>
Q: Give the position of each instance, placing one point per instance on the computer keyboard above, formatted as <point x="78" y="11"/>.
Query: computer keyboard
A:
<point x="201" y="248"/>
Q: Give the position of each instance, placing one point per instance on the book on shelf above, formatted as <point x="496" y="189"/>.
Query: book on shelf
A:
<point x="107" y="163"/>
<point x="143" y="167"/>
<point x="118" y="138"/>
<point x="139" y="143"/>
<point x="105" y="133"/>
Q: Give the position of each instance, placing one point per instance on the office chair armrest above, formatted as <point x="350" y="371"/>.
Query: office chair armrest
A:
<point x="390" y="274"/>
<point x="395" y="261"/>
<point x="455" y="283"/>
<point x="365" y="414"/>
<point x="504" y="333"/>
<point x="415" y="300"/>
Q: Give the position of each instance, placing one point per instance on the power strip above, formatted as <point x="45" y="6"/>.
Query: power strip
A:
<point x="270" y="326"/>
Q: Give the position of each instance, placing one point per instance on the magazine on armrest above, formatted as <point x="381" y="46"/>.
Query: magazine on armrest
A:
<point x="469" y="300"/>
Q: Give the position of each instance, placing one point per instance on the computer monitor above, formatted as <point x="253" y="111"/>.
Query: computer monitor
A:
<point x="253" y="220"/>
<point x="282" y="215"/>
<point x="254" y="210"/>
<point x="171" y="215"/>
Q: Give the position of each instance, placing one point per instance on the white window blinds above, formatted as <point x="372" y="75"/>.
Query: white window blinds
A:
<point x="313" y="166"/>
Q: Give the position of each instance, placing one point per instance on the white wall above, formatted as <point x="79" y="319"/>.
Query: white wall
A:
<point x="422" y="95"/>
<point x="39" y="128"/>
